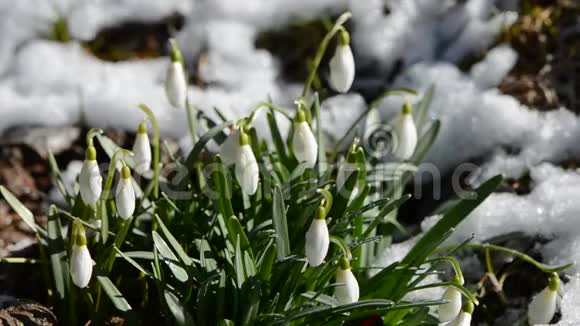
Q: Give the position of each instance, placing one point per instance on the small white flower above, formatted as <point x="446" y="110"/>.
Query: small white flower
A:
<point x="125" y="195"/>
<point x="464" y="317"/>
<point x="247" y="172"/>
<point x="81" y="263"/>
<point x="229" y="150"/>
<point x="90" y="180"/>
<point x="303" y="142"/>
<point x="142" y="150"/>
<point x="406" y="134"/>
<point x="317" y="240"/>
<point x="175" y="81"/>
<point x="342" y="68"/>
<point x="543" y="306"/>
<point x="346" y="290"/>
<point x="450" y="310"/>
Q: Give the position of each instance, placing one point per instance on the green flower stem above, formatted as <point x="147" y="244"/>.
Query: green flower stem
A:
<point x="111" y="173"/>
<point x="543" y="267"/>
<point x="327" y="201"/>
<point x="322" y="49"/>
<point x="191" y="121"/>
<point x="459" y="287"/>
<point x="398" y="91"/>
<point x="91" y="134"/>
<point x="453" y="263"/>
<point x="342" y="244"/>
<point x="266" y="105"/>
<point x="153" y="120"/>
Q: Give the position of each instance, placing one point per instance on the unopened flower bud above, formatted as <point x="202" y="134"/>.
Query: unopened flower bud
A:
<point x="142" y="149"/>
<point x="342" y="69"/>
<point x="81" y="263"/>
<point x="317" y="239"/>
<point x="346" y="290"/>
<point x="406" y="134"/>
<point x="303" y="141"/>
<point x="125" y="194"/>
<point x="90" y="180"/>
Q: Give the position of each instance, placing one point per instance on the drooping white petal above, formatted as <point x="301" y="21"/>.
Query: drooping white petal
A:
<point x="342" y="69"/>
<point x="81" y="266"/>
<point x="406" y="134"/>
<point x="125" y="198"/>
<point x="450" y="310"/>
<point x="542" y="307"/>
<point x="348" y="291"/>
<point x="247" y="171"/>
<point x="142" y="151"/>
<point x="317" y="242"/>
<point x="229" y="150"/>
<point x="463" y="319"/>
<point x="304" y="144"/>
<point x="90" y="182"/>
<point x="176" y="85"/>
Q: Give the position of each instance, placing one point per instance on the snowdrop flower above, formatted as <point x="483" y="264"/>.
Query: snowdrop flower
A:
<point x="175" y="81"/>
<point x="81" y="263"/>
<point x="247" y="172"/>
<point x="342" y="65"/>
<point x="347" y="291"/>
<point x="464" y="317"/>
<point x="543" y="306"/>
<point x="317" y="239"/>
<point x="303" y="141"/>
<point x="406" y="134"/>
<point x="230" y="148"/>
<point x="90" y="180"/>
<point x="142" y="149"/>
<point x="125" y="194"/>
<point x="448" y="311"/>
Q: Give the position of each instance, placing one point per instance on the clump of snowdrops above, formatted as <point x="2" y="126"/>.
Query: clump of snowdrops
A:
<point x="280" y="232"/>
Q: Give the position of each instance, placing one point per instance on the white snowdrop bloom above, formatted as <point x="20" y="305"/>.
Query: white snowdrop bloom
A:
<point x="342" y="69"/>
<point x="346" y="291"/>
<point x="90" y="180"/>
<point x="543" y="306"/>
<point x="142" y="149"/>
<point x="230" y="148"/>
<point x="450" y="310"/>
<point x="317" y="239"/>
<point x="247" y="171"/>
<point x="81" y="263"/>
<point x="175" y="81"/>
<point x="125" y="195"/>
<point x="303" y="142"/>
<point x="406" y="133"/>
<point x="464" y="317"/>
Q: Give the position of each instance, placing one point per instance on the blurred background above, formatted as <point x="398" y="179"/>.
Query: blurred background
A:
<point x="506" y="77"/>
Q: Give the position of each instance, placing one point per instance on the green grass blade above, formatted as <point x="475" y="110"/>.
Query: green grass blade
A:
<point x="280" y="224"/>
<point x="22" y="211"/>
<point x="169" y="258"/>
<point x="185" y="259"/>
<point x="113" y="293"/>
<point x="57" y="253"/>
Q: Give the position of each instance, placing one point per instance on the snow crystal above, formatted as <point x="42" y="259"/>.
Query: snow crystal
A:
<point x="570" y="303"/>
